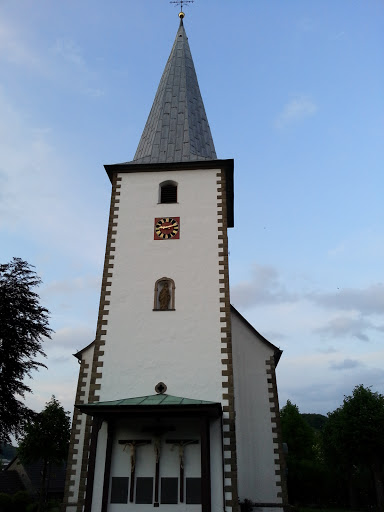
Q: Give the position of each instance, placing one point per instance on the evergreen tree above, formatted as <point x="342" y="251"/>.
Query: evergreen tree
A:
<point x="23" y="327"/>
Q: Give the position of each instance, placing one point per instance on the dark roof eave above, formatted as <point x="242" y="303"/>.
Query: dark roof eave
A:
<point x="80" y="352"/>
<point x="226" y="165"/>
<point x="213" y="410"/>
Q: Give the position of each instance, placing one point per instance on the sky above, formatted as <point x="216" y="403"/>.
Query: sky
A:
<point x="293" y="92"/>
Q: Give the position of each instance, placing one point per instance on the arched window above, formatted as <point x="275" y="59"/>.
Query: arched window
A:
<point x="164" y="299"/>
<point x="168" y="192"/>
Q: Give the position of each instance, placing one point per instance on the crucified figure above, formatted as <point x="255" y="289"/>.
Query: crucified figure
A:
<point x="182" y="443"/>
<point x="133" y="444"/>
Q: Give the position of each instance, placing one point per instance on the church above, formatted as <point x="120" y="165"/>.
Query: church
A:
<point x="176" y="405"/>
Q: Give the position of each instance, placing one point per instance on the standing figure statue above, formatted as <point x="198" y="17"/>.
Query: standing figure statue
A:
<point x="164" y="296"/>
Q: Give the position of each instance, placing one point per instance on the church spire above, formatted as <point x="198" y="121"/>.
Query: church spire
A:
<point x="177" y="128"/>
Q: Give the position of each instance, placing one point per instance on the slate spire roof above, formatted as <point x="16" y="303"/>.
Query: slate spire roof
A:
<point x="177" y="128"/>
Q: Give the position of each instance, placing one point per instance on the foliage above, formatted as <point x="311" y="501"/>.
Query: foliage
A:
<point x="296" y="432"/>
<point x="47" y="438"/>
<point x="5" y="501"/>
<point x="316" y="421"/>
<point x="353" y="439"/>
<point x="23" y="326"/>
<point x="51" y="506"/>
<point x="17" y="502"/>
<point x="339" y="460"/>
<point x="303" y="465"/>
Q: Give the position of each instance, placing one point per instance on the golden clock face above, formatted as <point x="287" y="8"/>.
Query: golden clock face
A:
<point x="166" y="228"/>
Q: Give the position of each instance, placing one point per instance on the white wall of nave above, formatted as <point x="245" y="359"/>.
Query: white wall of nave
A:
<point x="254" y="437"/>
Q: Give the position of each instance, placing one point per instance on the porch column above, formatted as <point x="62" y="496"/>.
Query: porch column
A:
<point x="205" y="465"/>
<point x="107" y="466"/>
<point x="96" y="424"/>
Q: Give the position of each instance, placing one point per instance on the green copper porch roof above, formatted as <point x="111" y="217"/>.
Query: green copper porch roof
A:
<point x="147" y="406"/>
<point x="160" y="399"/>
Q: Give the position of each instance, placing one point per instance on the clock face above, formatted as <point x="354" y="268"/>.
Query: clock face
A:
<point x="166" y="228"/>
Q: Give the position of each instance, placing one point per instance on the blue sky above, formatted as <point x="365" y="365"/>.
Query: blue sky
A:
<point x="293" y="92"/>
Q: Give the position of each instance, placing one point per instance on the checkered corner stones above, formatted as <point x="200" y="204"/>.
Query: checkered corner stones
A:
<point x="281" y="483"/>
<point x="228" y="399"/>
<point x="101" y="331"/>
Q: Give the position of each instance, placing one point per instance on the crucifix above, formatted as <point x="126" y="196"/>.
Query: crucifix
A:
<point x="157" y="432"/>
<point x="181" y="443"/>
<point x="133" y="444"/>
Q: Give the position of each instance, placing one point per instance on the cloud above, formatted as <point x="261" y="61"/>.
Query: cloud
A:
<point x="328" y="350"/>
<point x="94" y="93"/>
<point x="311" y="381"/>
<point x="346" y="364"/>
<point x="367" y="301"/>
<point x="274" y="335"/>
<point x="352" y="326"/>
<point x="339" y="36"/>
<point x="70" y="51"/>
<point x="33" y="166"/>
<point x="73" y="338"/>
<point x="12" y="47"/>
<point x="263" y="288"/>
<point x="296" y="110"/>
<point x="72" y="285"/>
<point x="60" y="359"/>
<point x="306" y="25"/>
<point x="63" y="63"/>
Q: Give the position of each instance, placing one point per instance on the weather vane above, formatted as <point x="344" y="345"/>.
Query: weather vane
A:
<point x="181" y="2"/>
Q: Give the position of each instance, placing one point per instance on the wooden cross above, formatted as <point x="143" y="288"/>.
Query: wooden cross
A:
<point x="133" y="444"/>
<point x="181" y="443"/>
<point x="157" y="431"/>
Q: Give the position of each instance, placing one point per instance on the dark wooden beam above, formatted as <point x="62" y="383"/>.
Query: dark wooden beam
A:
<point x="96" y="424"/>
<point x="205" y="465"/>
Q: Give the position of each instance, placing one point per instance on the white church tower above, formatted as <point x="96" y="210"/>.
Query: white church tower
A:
<point x="176" y="405"/>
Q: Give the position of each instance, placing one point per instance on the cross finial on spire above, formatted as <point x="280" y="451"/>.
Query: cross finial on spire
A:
<point x="181" y="2"/>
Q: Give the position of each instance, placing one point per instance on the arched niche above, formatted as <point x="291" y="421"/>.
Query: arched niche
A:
<point x="164" y="295"/>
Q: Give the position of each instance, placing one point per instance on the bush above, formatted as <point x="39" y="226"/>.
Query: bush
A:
<point x="5" y="502"/>
<point x="32" y="507"/>
<point x="21" y="499"/>
<point x="17" y="502"/>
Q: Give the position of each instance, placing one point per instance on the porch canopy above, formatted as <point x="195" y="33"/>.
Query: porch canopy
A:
<point x="151" y="405"/>
<point x="145" y="407"/>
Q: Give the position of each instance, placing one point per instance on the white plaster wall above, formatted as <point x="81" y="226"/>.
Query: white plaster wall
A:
<point x="182" y="347"/>
<point x="255" y="445"/>
<point x="87" y="356"/>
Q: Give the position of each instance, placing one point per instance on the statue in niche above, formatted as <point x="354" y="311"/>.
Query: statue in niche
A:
<point x="164" y="296"/>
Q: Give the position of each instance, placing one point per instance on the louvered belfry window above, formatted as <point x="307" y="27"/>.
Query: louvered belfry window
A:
<point x="168" y="192"/>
